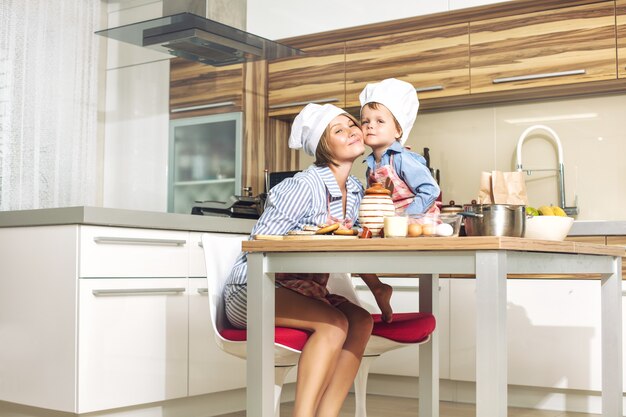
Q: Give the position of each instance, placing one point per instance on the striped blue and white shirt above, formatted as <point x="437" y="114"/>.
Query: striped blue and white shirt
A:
<point x="300" y="201"/>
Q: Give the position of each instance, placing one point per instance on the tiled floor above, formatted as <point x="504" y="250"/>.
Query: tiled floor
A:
<point x="383" y="406"/>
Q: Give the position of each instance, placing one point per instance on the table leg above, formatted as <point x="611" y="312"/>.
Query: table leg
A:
<point x="491" y="347"/>
<point x="611" y="295"/>
<point x="429" y="352"/>
<point x="260" y="346"/>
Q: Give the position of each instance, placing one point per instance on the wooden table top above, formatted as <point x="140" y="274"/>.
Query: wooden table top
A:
<point x="432" y="244"/>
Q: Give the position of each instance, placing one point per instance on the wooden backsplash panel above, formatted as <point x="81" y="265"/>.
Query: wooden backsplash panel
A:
<point x="620" y="14"/>
<point x="196" y="84"/>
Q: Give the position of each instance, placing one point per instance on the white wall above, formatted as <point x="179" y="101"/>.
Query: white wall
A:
<point x="277" y="19"/>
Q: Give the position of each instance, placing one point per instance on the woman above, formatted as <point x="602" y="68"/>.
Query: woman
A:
<point x="323" y="193"/>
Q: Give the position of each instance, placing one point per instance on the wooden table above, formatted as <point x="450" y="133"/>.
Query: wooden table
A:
<point x="488" y="258"/>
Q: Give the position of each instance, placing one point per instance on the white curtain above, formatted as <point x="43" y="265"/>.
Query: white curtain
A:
<point x="48" y="103"/>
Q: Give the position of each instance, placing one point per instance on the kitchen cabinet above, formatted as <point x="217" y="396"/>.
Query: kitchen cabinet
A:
<point x="546" y="48"/>
<point x="620" y="15"/>
<point x="405" y="299"/>
<point x="435" y="61"/>
<point x="96" y="318"/>
<point x="204" y="160"/>
<point x="197" y="89"/>
<point x="553" y="333"/>
<point x="132" y="338"/>
<point x="318" y="77"/>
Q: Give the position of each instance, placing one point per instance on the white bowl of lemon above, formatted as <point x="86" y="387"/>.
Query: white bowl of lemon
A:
<point x="549" y="223"/>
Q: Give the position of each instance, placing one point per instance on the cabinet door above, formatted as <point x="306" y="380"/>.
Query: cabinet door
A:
<point x="198" y="89"/>
<point x="318" y="76"/>
<point x="621" y="38"/>
<point x="435" y="61"/>
<point x="210" y="368"/>
<point x="405" y="299"/>
<point x="553" y="333"/>
<point x="132" y="342"/>
<point x="554" y="47"/>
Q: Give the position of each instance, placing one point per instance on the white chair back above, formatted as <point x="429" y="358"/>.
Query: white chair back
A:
<point x="220" y="252"/>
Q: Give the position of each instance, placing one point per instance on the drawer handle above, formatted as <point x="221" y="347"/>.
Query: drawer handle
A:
<point x="203" y="290"/>
<point x="304" y="103"/>
<point x="203" y="106"/>
<point x="538" y="76"/>
<point x="138" y="241"/>
<point x="136" y="291"/>
<point x="399" y="289"/>
<point x="429" y="88"/>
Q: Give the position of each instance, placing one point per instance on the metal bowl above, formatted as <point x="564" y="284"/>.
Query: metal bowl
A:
<point x="494" y="220"/>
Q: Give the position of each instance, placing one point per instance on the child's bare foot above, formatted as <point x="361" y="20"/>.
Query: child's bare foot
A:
<point x="382" y="294"/>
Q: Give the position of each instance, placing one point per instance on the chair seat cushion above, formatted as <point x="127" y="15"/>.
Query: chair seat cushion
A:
<point x="286" y="336"/>
<point x="405" y="327"/>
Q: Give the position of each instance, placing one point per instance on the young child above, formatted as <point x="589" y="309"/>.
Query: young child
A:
<point x="388" y="112"/>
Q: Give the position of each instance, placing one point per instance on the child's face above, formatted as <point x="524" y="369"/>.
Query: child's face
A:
<point x="379" y="127"/>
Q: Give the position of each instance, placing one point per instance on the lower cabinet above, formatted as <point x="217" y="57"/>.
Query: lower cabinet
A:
<point x="132" y="341"/>
<point x="405" y="299"/>
<point x="553" y="333"/>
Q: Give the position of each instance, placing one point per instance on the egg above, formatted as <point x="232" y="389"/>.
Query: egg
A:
<point x="429" y="229"/>
<point x="414" y="230"/>
<point x="444" y="229"/>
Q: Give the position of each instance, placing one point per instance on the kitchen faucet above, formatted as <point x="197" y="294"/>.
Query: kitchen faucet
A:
<point x="560" y="170"/>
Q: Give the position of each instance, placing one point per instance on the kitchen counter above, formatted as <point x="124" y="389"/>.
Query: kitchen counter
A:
<point x="101" y="216"/>
<point x="598" y="228"/>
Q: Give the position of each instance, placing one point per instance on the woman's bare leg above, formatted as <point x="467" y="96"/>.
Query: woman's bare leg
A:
<point x="382" y="294"/>
<point x="322" y="351"/>
<point x="359" y="330"/>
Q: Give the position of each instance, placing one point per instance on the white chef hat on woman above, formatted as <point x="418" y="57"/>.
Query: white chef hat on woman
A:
<point x="399" y="97"/>
<point x="309" y="125"/>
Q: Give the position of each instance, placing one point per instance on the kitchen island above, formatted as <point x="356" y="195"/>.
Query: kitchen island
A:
<point x="104" y="310"/>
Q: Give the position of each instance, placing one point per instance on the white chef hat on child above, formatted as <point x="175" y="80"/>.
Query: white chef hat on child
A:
<point x="309" y="125"/>
<point x="399" y="97"/>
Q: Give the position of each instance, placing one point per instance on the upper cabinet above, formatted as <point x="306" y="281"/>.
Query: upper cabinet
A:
<point x="318" y="76"/>
<point x="621" y="38"/>
<point x="435" y="61"/>
<point x="547" y="48"/>
<point x="199" y="90"/>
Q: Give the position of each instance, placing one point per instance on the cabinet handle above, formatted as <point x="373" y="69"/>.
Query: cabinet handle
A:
<point x="135" y="291"/>
<point x="429" y="88"/>
<point x="400" y="289"/>
<point x="203" y="106"/>
<point x="537" y="76"/>
<point x="138" y="241"/>
<point x="203" y="290"/>
<point x="304" y="103"/>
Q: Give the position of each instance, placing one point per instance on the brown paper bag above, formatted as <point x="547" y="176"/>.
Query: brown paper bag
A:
<point x="497" y="187"/>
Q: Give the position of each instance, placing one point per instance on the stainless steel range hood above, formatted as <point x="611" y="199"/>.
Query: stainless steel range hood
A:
<point x="197" y="38"/>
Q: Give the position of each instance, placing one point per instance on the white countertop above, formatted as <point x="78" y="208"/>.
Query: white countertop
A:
<point x="102" y="216"/>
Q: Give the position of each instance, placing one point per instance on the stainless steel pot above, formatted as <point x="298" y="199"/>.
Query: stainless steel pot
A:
<point x="494" y="220"/>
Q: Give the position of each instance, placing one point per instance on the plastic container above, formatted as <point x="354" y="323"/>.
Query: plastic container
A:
<point x="434" y="225"/>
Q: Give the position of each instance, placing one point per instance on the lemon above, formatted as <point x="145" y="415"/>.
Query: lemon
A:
<point x="531" y="211"/>
<point x="546" y="211"/>
<point x="558" y="211"/>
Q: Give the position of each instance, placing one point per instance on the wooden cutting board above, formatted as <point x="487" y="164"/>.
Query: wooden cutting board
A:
<point x="303" y="237"/>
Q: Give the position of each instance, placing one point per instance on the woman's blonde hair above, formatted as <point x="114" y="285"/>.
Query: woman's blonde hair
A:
<point x="323" y="155"/>
<point x="375" y="106"/>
